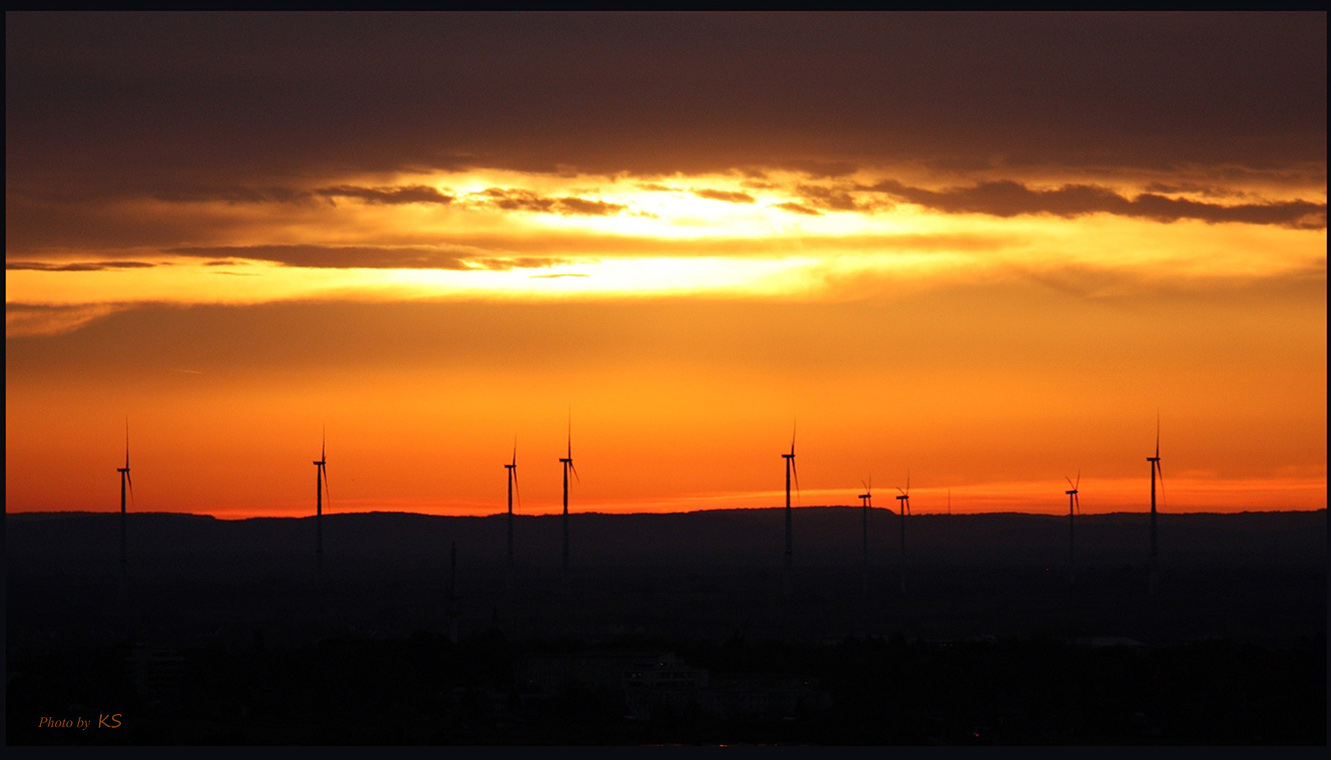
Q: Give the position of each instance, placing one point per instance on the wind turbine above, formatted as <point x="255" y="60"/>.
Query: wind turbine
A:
<point x="567" y="461"/>
<point x="125" y="483"/>
<point x="320" y="485"/>
<point x="790" y="471"/>
<point x="1074" y="506"/>
<point x="866" y="503"/>
<point x="512" y="488"/>
<point x="903" y="508"/>
<point x="1153" y="579"/>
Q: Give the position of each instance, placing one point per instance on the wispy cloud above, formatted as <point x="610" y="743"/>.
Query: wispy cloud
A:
<point x="388" y="195"/>
<point x="369" y="257"/>
<point x="1007" y="198"/>
<point x="80" y="266"/>
<point x="833" y="199"/>
<point x="724" y="195"/>
<point x="589" y="208"/>
<point x="24" y="320"/>
<point x="798" y="208"/>
<point x="510" y="199"/>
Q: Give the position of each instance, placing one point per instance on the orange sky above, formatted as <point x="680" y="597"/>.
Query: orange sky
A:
<point x="429" y="269"/>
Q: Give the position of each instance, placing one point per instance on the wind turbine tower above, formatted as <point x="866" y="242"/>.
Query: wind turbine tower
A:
<point x="567" y="462"/>
<point x="1074" y="506"/>
<point x="790" y="471"/>
<point x="512" y="468"/>
<point x="126" y="484"/>
<point x="866" y="503"/>
<point x="1153" y="570"/>
<point x="903" y="509"/>
<point x="320" y="485"/>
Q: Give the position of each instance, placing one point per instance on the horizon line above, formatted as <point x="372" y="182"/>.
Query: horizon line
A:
<point x="228" y="518"/>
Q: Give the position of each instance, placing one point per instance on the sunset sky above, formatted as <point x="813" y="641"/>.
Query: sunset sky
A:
<point x="981" y="251"/>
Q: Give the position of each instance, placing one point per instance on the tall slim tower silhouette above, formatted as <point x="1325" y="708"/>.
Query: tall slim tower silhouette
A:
<point x="790" y="472"/>
<point x="1153" y="570"/>
<point x="1074" y="506"/>
<point x="320" y="485"/>
<point x="903" y="508"/>
<point x="567" y="462"/>
<point x="866" y="503"/>
<point x="125" y="484"/>
<point x="512" y="468"/>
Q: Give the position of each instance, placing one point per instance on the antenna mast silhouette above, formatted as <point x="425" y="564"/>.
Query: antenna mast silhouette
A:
<point x="866" y="503"/>
<point x="512" y="487"/>
<point x="903" y="508"/>
<point x="1074" y="505"/>
<point x="1154" y="570"/>
<point x="567" y="461"/>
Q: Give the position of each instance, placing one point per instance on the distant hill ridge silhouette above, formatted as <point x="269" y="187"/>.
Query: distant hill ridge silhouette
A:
<point x="824" y="536"/>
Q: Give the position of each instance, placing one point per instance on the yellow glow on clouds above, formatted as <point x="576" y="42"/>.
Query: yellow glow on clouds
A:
<point x="711" y="235"/>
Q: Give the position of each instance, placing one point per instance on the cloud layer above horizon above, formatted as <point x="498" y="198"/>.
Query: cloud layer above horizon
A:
<point x="993" y="228"/>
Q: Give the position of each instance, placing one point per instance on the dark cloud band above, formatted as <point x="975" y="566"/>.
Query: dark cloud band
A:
<point x="1008" y="198"/>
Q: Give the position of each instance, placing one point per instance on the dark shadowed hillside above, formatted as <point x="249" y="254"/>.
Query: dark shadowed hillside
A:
<point x="217" y="636"/>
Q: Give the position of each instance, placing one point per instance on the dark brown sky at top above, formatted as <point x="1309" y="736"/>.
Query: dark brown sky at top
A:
<point x="162" y="103"/>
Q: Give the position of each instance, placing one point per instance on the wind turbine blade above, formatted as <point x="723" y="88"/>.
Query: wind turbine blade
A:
<point x="1076" y="502"/>
<point x="1161" y="473"/>
<point x="574" y="470"/>
<point x="1077" y="485"/>
<point x="130" y="482"/>
<point x="1157" y="433"/>
<point x="908" y="482"/>
<point x="796" y="473"/>
<point x="327" y="493"/>
<point x="1069" y="480"/>
<point x="516" y="491"/>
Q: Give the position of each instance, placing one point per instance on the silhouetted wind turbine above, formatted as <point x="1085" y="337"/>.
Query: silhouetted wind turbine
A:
<point x="1153" y="578"/>
<point x="790" y="471"/>
<point x="125" y="483"/>
<point x="512" y="488"/>
<point x="567" y="461"/>
<point x="903" y="508"/>
<point x="866" y="503"/>
<point x="320" y="485"/>
<point x="1074" y="506"/>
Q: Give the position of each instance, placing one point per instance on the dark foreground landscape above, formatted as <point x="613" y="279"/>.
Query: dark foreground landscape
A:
<point x="668" y="629"/>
